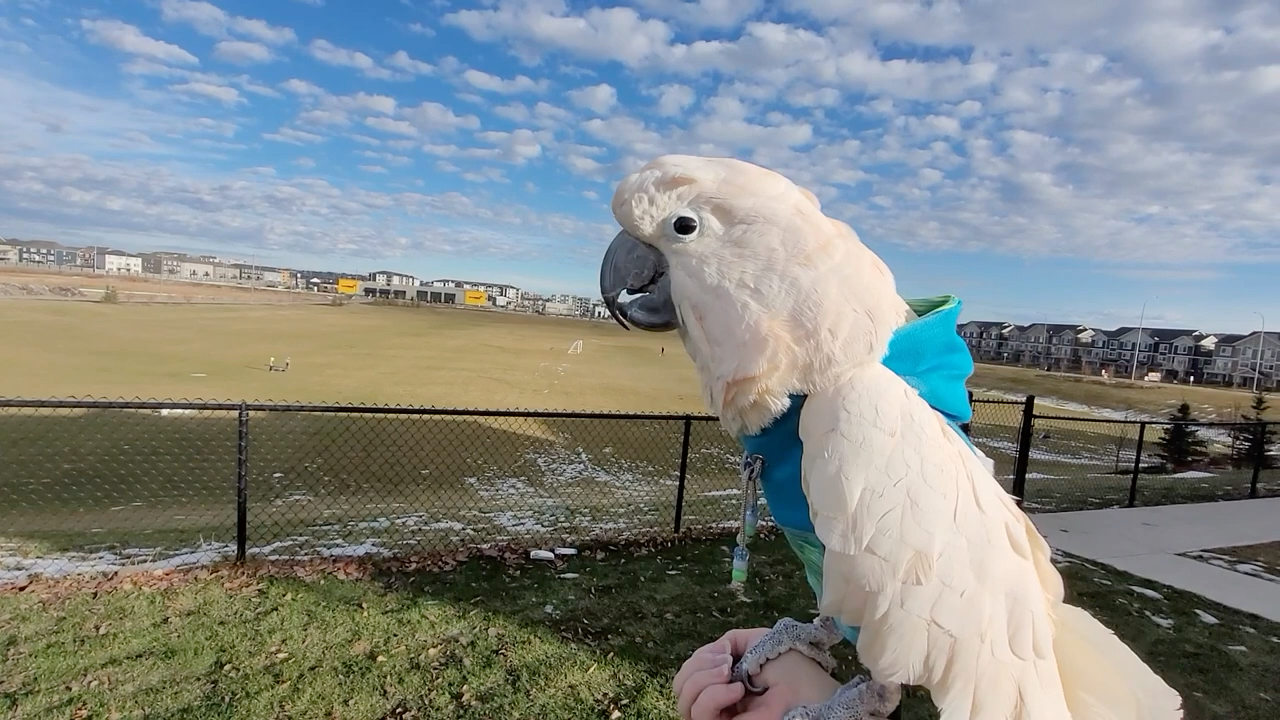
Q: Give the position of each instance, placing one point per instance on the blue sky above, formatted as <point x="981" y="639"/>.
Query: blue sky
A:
<point x="1043" y="160"/>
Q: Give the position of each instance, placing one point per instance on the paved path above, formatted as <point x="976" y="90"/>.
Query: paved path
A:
<point x="1145" y="541"/>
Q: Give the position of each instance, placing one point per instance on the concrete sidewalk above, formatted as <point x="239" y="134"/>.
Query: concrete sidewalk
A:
<point x="1145" y="541"/>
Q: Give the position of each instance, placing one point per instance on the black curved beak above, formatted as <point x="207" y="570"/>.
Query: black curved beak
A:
<point x="639" y="269"/>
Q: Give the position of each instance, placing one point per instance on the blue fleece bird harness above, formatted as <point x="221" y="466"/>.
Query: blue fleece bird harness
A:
<point x="929" y="355"/>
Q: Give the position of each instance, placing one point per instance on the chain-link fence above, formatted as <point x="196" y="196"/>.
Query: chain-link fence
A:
<point x="100" y="485"/>
<point x="1059" y="463"/>
<point x="88" y="484"/>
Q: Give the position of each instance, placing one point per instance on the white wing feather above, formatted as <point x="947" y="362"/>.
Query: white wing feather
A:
<point x="951" y="584"/>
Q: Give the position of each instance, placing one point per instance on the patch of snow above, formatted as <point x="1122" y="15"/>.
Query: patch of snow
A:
<point x="1190" y="474"/>
<point x="1146" y="591"/>
<point x="1206" y="618"/>
<point x="1238" y="648"/>
<point x="1163" y="622"/>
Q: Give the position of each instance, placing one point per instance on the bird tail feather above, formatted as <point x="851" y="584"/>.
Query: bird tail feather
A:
<point x="1102" y="678"/>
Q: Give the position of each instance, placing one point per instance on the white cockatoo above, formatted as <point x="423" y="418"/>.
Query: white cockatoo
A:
<point x="919" y="548"/>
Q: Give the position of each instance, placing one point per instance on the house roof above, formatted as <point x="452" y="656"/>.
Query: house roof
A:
<point x="1157" y="334"/>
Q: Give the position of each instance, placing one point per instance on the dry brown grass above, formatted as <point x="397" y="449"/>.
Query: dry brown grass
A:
<point x="150" y="290"/>
<point x="353" y="354"/>
<point x="1208" y="403"/>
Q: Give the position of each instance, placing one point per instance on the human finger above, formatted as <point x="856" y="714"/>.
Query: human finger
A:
<point x="715" y="699"/>
<point x="699" y="682"/>
<point x="704" y="658"/>
<point x="741" y="639"/>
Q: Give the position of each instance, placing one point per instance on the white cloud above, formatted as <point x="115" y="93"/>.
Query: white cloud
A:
<point x="211" y="20"/>
<point x="388" y="158"/>
<point x="221" y="93"/>
<point x="430" y="117"/>
<point x="302" y="87"/>
<point x="242" y="52"/>
<point x="127" y="38"/>
<point x="324" y="117"/>
<point x="616" y="33"/>
<point x="305" y="162"/>
<point x="293" y="136"/>
<point x="420" y="29"/>
<point x="493" y="83"/>
<point x="388" y="125"/>
<point x="330" y="54"/>
<point x="721" y="14"/>
<point x="518" y="146"/>
<point x="373" y="168"/>
<point x="674" y="98"/>
<point x="86" y="197"/>
<point x="599" y="99"/>
<point x="402" y="61"/>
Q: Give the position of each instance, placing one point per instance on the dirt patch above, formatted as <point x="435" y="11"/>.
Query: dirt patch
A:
<point x="33" y="290"/>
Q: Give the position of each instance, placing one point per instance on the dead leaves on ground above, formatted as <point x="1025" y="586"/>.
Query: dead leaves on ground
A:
<point x="246" y="578"/>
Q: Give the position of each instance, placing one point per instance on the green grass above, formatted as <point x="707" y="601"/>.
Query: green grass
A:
<point x="489" y="641"/>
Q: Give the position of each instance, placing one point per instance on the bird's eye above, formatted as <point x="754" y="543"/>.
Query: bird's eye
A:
<point x="685" y="225"/>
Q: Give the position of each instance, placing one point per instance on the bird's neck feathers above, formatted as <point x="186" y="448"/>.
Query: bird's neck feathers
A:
<point x="797" y="325"/>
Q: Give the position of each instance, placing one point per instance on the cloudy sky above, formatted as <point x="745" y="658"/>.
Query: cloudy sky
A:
<point x="1041" y="159"/>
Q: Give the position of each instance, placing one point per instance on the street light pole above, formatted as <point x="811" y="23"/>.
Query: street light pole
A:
<point x="1262" y="335"/>
<point x="1137" y="347"/>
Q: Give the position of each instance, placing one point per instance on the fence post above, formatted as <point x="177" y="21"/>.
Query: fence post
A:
<point x="1259" y="458"/>
<point x="684" y="471"/>
<point x="1024" y="448"/>
<point x="242" y="483"/>
<point x="967" y="427"/>
<point x="1137" y="464"/>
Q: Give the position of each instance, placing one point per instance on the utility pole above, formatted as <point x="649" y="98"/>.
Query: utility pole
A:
<point x="1137" y="347"/>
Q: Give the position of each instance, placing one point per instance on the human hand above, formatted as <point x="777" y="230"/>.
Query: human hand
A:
<point x="705" y="693"/>
<point x="702" y="686"/>
<point x="792" y="679"/>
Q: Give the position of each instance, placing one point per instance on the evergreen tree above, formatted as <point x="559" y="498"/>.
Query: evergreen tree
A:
<point x="1181" y="447"/>
<point x="1244" y="437"/>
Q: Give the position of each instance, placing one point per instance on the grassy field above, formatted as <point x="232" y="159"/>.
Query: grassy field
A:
<point x="600" y="636"/>
<point x="104" y="488"/>
<point x="352" y="354"/>
<point x="1080" y="464"/>
<point x="1119" y="396"/>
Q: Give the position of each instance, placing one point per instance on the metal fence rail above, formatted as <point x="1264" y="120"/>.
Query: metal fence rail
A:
<point x="103" y="484"/>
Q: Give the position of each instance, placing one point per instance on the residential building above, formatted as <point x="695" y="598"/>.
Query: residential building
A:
<point x="255" y="274"/>
<point x="118" y="262"/>
<point x="1238" y="359"/>
<point x="389" y="277"/>
<point x="42" y="252"/>
<point x="8" y="254"/>
<point x="164" y="265"/>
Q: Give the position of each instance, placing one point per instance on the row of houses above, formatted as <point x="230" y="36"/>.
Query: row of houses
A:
<point x="208" y="268"/>
<point x="1162" y="354"/>
<point x="395" y="285"/>
<point x="161" y="265"/>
